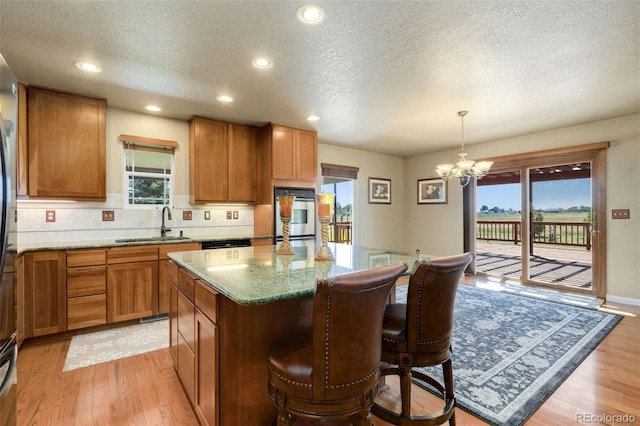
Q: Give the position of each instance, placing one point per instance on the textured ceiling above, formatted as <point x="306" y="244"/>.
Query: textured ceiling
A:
<point x="384" y="76"/>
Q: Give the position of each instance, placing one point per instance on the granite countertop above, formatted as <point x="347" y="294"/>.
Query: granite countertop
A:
<point x="124" y="242"/>
<point x="257" y="275"/>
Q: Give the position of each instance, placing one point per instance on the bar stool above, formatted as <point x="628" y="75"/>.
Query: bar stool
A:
<point x="418" y="334"/>
<point x="332" y="370"/>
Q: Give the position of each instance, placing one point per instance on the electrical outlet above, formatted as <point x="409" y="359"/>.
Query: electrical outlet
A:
<point x="51" y="216"/>
<point x="228" y="214"/>
<point x="187" y="215"/>
<point x="207" y="215"/>
<point x="108" y="215"/>
<point x="620" y="214"/>
<point x="235" y="214"/>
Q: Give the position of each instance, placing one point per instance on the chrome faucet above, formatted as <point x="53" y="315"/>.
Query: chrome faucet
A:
<point x="163" y="229"/>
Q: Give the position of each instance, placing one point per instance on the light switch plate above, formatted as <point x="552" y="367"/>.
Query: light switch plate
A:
<point x="51" y="216"/>
<point x="207" y="215"/>
<point x="228" y="214"/>
<point x="108" y="215"/>
<point x="235" y="214"/>
<point x="187" y="215"/>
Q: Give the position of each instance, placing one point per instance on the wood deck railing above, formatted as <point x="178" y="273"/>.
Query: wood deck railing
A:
<point x="576" y="234"/>
<point x="340" y="232"/>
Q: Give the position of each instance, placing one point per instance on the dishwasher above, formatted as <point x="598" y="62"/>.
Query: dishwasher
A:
<point x="220" y="244"/>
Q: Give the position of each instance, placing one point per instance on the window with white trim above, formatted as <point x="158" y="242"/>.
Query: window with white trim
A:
<point x="148" y="171"/>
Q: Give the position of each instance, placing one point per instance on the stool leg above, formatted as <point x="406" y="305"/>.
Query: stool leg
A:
<point x="405" y="391"/>
<point x="364" y="418"/>
<point x="284" y="418"/>
<point x="447" y="373"/>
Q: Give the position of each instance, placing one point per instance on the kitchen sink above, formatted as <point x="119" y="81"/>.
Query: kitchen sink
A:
<point x="150" y="239"/>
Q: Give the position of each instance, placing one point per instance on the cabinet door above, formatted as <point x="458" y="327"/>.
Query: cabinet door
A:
<point x="45" y="291"/>
<point x="206" y="395"/>
<point x="306" y="155"/>
<point x="173" y="323"/>
<point x="242" y="163"/>
<point x="282" y="140"/>
<point x="132" y="290"/>
<point x="86" y="311"/>
<point x="66" y="145"/>
<point x="208" y="168"/>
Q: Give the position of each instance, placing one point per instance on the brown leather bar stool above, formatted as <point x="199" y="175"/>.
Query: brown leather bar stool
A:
<point x="418" y="334"/>
<point x="332" y="370"/>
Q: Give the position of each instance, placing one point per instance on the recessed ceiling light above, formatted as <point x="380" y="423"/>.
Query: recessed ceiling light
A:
<point x="262" y="63"/>
<point x="313" y="118"/>
<point x="310" y="14"/>
<point x="153" y="108"/>
<point x="86" y="66"/>
<point x="224" y="98"/>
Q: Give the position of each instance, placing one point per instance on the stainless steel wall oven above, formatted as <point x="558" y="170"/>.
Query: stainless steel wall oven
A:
<point x="303" y="217"/>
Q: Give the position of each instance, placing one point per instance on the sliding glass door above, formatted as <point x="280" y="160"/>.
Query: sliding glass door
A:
<point x="537" y="221"/>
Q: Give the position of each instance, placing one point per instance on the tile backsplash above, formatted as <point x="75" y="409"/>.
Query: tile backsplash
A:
<point x="84" y="221"/>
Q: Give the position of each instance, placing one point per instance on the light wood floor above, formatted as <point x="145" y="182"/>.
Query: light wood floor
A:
<point x="144" y="389"/>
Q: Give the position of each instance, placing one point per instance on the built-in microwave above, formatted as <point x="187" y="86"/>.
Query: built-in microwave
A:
<point x="303" y="215"/>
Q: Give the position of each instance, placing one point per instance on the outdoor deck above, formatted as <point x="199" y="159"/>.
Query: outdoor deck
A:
<point x="562" y="266"/>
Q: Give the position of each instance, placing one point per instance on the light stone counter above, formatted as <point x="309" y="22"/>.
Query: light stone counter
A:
<point x="257" y="275"/>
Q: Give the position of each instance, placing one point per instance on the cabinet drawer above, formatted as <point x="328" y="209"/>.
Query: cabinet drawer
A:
<point x="86" y="281"/>
<point x="77" y="258"/>
<point x="207" y="300"/>
<point x="132" y="254"/>
<point x="86" y="311"/>
<point x="186" y="283"/>
<point x="186" y="320"/>
<point x="168" y="248"/>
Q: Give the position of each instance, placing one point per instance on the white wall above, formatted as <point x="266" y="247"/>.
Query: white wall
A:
<point x="377" y="225"/>
<point x="437" y="229"/>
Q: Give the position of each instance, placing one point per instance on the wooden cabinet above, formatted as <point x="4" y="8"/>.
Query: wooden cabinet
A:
<point x="222" y="161"/>
<point x="45" y="310"/>
<point x="294" y="153"/>
<point x="132" y="282"/>
<point x="65" y="146"/>
<point x="172" y="275"/>
<point x="164" y="269"/>
<point x="86" y="288"/>
<point x="193" y="321"/>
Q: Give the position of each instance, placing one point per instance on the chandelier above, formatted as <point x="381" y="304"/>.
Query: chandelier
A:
<point x="464" y="169"/>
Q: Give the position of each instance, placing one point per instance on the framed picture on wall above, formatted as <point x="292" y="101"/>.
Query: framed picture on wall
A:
<point x="432" y="191"/>
<point x="379" y="191"/>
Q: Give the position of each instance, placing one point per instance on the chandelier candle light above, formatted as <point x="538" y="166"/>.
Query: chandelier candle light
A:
<point x="286" y="207"/>
<point x="325" y="212"/>
<point x="464" y="169"/>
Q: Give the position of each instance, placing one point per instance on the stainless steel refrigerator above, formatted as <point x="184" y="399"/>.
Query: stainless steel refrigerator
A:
<point x="8" y="347"/>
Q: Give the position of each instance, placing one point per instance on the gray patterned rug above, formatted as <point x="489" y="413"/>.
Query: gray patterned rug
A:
<point x="511" y="352"/>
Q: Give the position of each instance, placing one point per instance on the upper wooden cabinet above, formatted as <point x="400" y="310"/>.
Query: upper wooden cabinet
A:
<point x="295" y="153"/>
<point x="222" y="161"/>
<point x="288" y="157"/>
<point x="64" y="151"/>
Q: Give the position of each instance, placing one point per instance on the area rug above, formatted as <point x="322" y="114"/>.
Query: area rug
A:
<point x="108" y="345"/>
<point x="510" y="353"/>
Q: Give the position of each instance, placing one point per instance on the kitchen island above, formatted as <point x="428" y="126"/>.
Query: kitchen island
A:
<point x="261" y="298"/>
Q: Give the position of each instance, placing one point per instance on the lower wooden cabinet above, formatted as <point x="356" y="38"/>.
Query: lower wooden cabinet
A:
<point x="86" y="288"/>
<point x="45" y="292"/>
<point x="206" y="360"/>
<point x="132" y="290"/>
<point x="164" y="266"/>
<point x="194" y="342"/>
